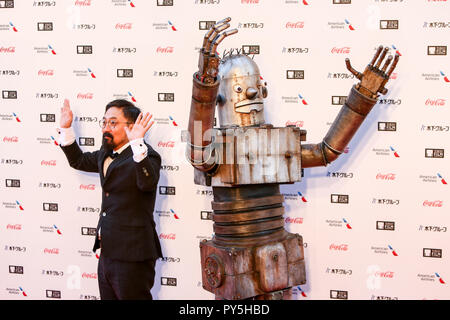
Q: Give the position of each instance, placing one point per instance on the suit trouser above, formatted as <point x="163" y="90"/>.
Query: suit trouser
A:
<point x="125" y="280"/>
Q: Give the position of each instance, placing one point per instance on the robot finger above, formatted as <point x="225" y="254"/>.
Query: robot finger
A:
<point x="381" y="57"/>
<point x="220" y="38"/>
<point x="393" y="65"/>
<point x="213" y="32"/>
<point x="357" y="74"/>
<point x="386" y="64"/>
<point x="376" y="56"/>
<point x="214" y="37"/>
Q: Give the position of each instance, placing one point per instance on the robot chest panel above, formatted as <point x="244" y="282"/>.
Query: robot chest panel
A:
<point x="257" y="155"/>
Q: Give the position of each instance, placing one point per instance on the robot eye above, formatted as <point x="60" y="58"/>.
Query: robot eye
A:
<point x="237" y="88"/>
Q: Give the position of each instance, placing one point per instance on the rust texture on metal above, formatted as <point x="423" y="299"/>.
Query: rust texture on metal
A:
<point x="363" y="96"/>
<point x="258" y="255"/>
<point x="342" y="130"/>
<point x="255" y="271"/>
<point x="251" y="255"/>
<point x="255" y="155"/>
<point x="199" y="148"/>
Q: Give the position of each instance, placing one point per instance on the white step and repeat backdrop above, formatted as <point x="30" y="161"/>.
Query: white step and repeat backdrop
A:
<point x="374" y="222"/>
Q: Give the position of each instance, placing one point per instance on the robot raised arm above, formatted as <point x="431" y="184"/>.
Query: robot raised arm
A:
<point x="363" y="96"/>
<point x="199" y="148"/>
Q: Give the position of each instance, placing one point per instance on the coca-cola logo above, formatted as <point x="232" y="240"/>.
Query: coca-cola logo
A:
<point x="48" y="163"/>
<point x="435" y="102"/>
<point x="295" y="123"/>
<point x="169" y="236"/>
<point x="387" y="176"/>
<point x="46" y="73"/>
<point x="295" y="25"/>
<point x="51" y="251"/>
<point x="167" y="144"/>
<point x="168" y="49"/>
<point x="435" y="203"/>
<point x="294" y="220"/>
<point x="7" y="49"/>
<point x="11" y="139"/>
<point x="83" y="3"/>
<point x="84" y="96"/>
<point x="14" y="227"/>
<point x="385" y="274"/>
<point x="338" y="247"/>
<point x="87" y="186"/>
<point x="340" y="50"/>
<point x="91" y="275"/>
<point x="124" y="26"/>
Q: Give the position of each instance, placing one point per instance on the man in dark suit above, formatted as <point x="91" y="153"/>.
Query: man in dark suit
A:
<point x="129" y="174"/>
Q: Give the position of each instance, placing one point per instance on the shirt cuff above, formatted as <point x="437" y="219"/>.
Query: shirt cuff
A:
<point x="139" y="149"/>
<point x="66" y="136"/>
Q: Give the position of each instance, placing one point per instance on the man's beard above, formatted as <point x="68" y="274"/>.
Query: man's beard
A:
<point x="108" y="145"/>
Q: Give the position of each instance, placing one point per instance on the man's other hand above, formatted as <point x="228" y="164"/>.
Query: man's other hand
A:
<point x="140" y="127"/>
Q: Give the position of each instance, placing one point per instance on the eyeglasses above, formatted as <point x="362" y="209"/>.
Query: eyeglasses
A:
<point x="110" y="123"/>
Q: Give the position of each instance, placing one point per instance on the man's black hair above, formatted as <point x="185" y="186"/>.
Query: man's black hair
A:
<point x="130" y="111"/>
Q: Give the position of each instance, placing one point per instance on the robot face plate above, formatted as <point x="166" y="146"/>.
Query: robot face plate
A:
<point x="241" y="92"/>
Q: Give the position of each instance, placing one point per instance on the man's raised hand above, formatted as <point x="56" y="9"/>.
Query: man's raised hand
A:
<point x="140" y="127"/>
<point x="66" y="115"/>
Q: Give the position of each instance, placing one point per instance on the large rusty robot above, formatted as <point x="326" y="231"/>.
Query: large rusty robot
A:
<point x="245" y="160"/>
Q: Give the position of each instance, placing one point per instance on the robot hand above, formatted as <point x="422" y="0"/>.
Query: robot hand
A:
<point x="208" y="63"/>
<point x="373" y="79"/>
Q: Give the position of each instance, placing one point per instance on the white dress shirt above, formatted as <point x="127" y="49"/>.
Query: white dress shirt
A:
<point x="67" y="137"/>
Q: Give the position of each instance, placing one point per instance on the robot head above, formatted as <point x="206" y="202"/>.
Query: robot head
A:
<point x="241" y="92"/>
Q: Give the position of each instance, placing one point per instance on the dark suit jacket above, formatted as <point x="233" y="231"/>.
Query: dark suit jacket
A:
<point x="128" y="198"/>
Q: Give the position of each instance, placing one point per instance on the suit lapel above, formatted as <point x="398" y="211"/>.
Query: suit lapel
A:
<point x="124" y="155"/>
<point x="101" y="160"/>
